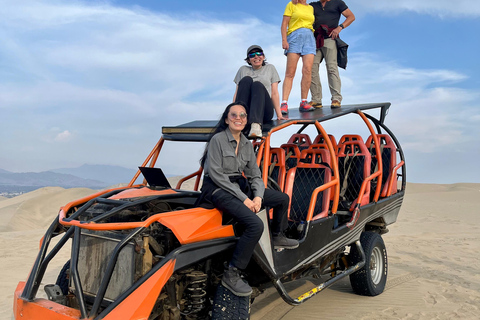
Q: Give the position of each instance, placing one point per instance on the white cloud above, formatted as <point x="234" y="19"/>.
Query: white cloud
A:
<point x="442" y="8"/>
<point x="63" y="136"/>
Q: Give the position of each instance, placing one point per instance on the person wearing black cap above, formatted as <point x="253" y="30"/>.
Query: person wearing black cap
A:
<point x="257" y="87"/>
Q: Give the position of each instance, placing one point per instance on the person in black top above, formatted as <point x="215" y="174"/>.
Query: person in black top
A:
<point x="327" y="16"/>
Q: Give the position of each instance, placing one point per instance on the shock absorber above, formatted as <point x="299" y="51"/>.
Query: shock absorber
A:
<point x="195" y="291"/>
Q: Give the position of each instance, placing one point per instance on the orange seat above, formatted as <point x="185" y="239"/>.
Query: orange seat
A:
<point x="350" y="137"/>
<point x="301" y="182"/>
<point x="277" y="170"/>
<point x="302" y="140"/>
<point x="354" y="165"/>
<point x="388" y="153"/>
<point x="292" y="154"/>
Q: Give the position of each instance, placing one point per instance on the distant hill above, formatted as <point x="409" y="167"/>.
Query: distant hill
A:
<point x="32" y="180"/>
<point x="109" y="174"/>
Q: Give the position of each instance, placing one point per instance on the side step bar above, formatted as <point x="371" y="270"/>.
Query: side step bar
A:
<point x="304" y="297"/>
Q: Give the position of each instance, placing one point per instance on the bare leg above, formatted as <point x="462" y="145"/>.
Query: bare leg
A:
<point x="306" y="74"/>
<point x="292" y="61"/>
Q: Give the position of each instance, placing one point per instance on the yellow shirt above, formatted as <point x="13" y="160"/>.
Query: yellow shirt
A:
<point x="301" y="16"/>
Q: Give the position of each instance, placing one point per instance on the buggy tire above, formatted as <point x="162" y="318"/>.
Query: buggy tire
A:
<point x="62" y="279"/>
<point x="227" y="306"/>
<point x="371" y="279"/>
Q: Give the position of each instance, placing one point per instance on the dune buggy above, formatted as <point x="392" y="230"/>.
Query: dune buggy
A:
<point x="146" y="251"/>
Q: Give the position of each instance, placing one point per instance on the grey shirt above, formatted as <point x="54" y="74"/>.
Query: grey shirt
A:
<point x="222" y="162"/>
<point x="267" y="75"/>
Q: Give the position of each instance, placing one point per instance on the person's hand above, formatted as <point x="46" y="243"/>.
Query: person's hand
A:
<point x="285" y="44"/>
<point x="258" y="203"/>
<point x="249" y="204"/>
<point x="335" y="32"/>
<point x="281" y="117"/>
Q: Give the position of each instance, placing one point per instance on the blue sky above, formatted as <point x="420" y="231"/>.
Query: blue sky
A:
<point x="94" y="81"/>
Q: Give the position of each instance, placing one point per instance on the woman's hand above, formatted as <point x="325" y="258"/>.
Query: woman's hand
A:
<point x="285" y="44"/>
<point x="258" y="203"/>
<point x="250" y="204"/>
<point x="281" y="117"/>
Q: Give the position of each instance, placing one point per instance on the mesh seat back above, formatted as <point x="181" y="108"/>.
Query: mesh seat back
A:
<point x="301" y="182"/>
<point x="354" y="165"/>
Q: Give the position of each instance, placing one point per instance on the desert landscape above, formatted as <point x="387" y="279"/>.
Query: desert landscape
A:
<point x="433" y="252"/>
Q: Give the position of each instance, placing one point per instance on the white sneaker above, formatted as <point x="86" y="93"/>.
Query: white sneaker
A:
<point x="255" y="131"/>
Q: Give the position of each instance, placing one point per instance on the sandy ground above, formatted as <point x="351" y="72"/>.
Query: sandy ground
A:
<point x="433" y="252"/>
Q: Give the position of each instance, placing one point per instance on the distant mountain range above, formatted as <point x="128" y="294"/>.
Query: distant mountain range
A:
<point x="86" y="176"/>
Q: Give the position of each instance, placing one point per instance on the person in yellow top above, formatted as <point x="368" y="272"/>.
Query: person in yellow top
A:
<point x="298" y="41"/>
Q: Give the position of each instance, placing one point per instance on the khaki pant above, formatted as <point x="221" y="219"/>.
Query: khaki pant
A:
<point x="329" y="52"/>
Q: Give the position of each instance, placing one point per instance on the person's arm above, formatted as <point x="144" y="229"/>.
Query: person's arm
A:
<point x="285" y="21"/>
<point x="215" y="170"/>
<point x="235" y="95"/>
<point x="276" y="101"/>
<point x="350" y="17"/>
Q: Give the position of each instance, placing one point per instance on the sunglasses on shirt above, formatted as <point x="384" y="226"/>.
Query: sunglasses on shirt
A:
<point x="242" y="115"/>
<point x="253" y="54"/>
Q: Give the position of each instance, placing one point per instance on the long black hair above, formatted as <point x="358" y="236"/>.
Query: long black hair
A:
<point x="222" y="126"/>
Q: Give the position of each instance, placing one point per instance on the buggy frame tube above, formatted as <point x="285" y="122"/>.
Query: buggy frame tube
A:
<point x="153" y="155"/>
<point x="319" y="127"/>
<point x="74" y="272"/>
<point x="38" y="270"/>
<point x="197" y="173"/>
<point x="379" y="161"/>
<point x="109" y="271"/>
<point x="92" y="225"/>
<point x="397" y="145"/>
<point x="295" y="302"/>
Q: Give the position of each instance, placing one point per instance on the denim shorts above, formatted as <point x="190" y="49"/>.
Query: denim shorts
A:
<point x="301" y="41"/>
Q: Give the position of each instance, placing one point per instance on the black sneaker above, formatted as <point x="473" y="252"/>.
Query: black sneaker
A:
<point x="282" y="242"/>
<point x="232" y="281"/>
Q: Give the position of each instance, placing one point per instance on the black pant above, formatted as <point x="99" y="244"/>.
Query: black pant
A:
<point x="253" y="225"/>
<point x="256" y="97"/>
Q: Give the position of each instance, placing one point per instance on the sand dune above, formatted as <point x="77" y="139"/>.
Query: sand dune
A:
<point x="433" y="249"/>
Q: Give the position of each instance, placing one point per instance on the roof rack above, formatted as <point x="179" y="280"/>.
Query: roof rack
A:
<point x="200" y="130"/>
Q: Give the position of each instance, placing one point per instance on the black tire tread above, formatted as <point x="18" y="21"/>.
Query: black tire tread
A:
<point x="361" y="281"/>
<point x="227" y="306"/>
<point x="62" y="279"/>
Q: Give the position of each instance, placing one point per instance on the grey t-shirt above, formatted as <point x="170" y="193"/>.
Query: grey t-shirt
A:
<point x="266" y="75"/>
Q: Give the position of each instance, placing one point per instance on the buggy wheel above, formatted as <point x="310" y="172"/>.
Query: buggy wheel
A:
<point x="63" y="276"/>
<point x="371" y="279"/>
<point x="227" y="306"/>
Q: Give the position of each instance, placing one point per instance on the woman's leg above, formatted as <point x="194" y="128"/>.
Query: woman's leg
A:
<point x="279" y="201"/>
<point x="306" y="74"/>
<point x="292" y="61"/>
<point x="253" y="226"/>
<point x="244" y="91"/>
<point x="257" y="104"/>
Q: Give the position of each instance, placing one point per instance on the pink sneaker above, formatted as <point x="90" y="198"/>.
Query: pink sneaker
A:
<point x="305" y="107"/>
<point x="284" y="108"/>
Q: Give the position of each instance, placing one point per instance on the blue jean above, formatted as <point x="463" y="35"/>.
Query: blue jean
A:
<point x="301" y="41"/>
